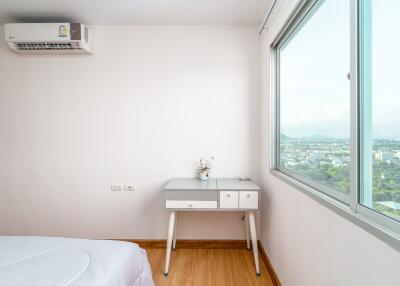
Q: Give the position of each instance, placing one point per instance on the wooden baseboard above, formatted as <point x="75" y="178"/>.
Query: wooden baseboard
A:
<point x="190" y="243"/>
<point x="268" y="264"/>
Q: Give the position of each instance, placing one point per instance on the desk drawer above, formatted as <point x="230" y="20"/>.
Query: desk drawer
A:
<point x="228" y="199"/>
<point x="172" y="204"/>
<point x="248" y="200"/>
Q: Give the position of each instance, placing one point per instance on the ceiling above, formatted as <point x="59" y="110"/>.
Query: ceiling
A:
<point x="136" y="12"/>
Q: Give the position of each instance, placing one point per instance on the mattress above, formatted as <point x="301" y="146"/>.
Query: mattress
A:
<point x="55" y="261"/>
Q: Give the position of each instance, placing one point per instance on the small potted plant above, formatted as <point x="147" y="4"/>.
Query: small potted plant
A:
<point x="203" y="169"/>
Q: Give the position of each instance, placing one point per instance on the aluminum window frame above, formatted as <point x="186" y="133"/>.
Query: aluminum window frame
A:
<point x="365" y="140"/>
<point x="301" y="17"/>
<point x="350" y="207"/>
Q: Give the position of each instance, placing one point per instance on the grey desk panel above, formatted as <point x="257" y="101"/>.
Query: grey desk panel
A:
<point x="191" y="195"/>
<point x="213" y="210"/>
<point x="191" y="184"/>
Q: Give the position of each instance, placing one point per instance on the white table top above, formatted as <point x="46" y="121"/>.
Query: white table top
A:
<point x="236" y="184"/>
<point x="211" y="184"/>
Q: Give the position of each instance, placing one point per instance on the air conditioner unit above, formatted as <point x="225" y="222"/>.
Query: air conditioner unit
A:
<point x="49" y="38"/>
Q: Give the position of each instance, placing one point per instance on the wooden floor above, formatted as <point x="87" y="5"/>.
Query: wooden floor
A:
<point x="207" y="267"/>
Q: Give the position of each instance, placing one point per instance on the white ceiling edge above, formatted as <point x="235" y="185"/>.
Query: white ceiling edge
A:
<point x="136" y="12"/>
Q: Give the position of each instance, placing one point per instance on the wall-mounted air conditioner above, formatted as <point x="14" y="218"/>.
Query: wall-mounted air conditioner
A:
<point x="49" y="38"/>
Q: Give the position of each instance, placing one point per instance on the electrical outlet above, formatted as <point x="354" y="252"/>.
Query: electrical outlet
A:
<point x="129" y="188"/>
<point x="117" y="187"/>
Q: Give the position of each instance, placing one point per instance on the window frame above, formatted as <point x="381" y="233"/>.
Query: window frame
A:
<point x="346" y="205"/>
<point x="296" y="24"/>
<point x="364" y="123"/>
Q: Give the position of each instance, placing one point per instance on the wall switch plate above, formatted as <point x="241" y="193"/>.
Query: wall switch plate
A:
<point x="117" y="187"/>
<point x="129" y="188"/>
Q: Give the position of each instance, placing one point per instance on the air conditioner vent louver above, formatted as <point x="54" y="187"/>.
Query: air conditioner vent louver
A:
<point x="47" y="46"/>
<point x="48" y="38"/>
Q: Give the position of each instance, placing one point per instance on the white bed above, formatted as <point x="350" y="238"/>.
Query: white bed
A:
<point x="54" y="261"/>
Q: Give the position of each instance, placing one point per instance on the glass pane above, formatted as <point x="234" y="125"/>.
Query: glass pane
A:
<point x="315" y="97"/>
<point x="381" y="110"/>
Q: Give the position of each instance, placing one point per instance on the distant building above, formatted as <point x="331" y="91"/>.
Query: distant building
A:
<point x="291" y="164"/>
<point x="384" y="156"/>
<point x="337" y="163"/>
<point x="390" y="204"/>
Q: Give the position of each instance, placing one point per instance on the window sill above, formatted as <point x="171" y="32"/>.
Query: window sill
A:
<point x="379" y="231"/>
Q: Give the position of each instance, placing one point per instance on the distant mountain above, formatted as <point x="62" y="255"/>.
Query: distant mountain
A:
<point x="386" y="137"/>
<point x="285" y="137"/>
<point x="321" y="137"/>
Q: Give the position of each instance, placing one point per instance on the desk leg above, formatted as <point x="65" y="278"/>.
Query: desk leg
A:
<point x="246" y="229"/>
<point x="254" y="241"/>
<point x="169" y="240"/>
<point x="175" y="230"/>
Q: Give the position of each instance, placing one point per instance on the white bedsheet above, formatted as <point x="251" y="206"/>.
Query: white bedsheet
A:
<point x="54" y="261"/>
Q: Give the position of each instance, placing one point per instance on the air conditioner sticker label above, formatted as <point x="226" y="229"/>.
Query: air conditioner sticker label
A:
<point x="62" y="31"/>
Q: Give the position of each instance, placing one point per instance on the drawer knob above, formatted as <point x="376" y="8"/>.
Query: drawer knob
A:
<point x="248" y="195"/>
<point x="190" y="205"/>
<point x="228" y="195"/>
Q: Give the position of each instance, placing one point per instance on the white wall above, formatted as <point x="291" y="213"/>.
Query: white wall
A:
<point x="307" y="243"/>
<point x="143" y="109"/>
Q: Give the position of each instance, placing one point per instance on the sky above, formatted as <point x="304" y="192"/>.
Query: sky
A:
<point x="385" y="68"/>
<point x="315" y="91"/>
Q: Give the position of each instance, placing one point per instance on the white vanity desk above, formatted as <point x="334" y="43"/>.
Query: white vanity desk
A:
<point x="211" y="195"/>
